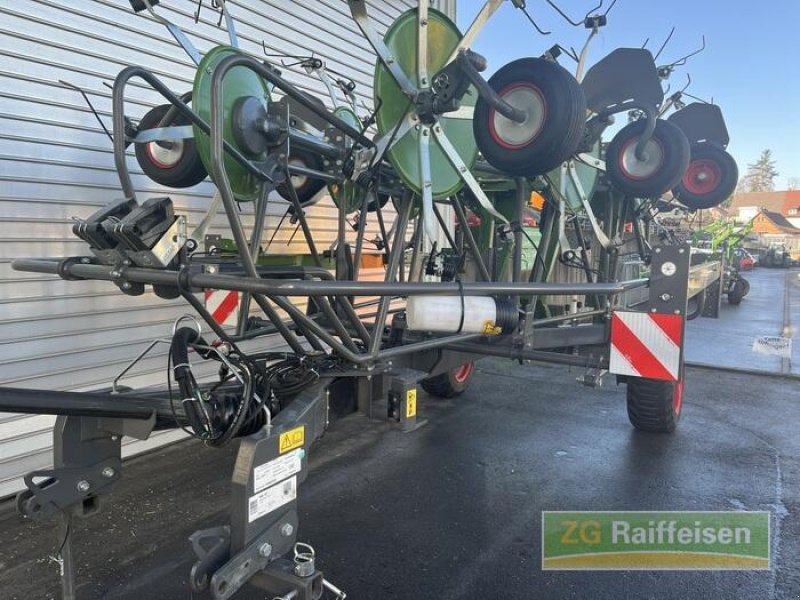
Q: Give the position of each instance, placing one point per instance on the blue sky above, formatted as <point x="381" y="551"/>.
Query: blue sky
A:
<point x="750" y="66"/>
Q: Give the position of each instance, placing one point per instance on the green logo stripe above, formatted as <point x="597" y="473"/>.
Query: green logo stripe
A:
<point x="655" y="540"/>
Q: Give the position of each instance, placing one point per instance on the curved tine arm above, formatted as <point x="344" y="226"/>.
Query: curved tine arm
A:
<point x="664" y="45"/>
<point x="610" y="6"/>
<point x="566" y="17"/>
<point x="358" y="9"/>
<point x="688" y="83"/>
<point x="682" y="61"/>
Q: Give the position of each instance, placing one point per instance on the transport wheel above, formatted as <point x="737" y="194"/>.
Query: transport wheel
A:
<point x="305" y="187"/>
<point x="555" y="109"/>
<point x="695" y="306"/>
<point x="737" y="292"/>
<point x="655" y="405"/>
<point x="710" y="178"/>
<point x="666" y="162"/>
<point x="746" y="285"/>
<point x="174" y="164"/>
<point x="450" y="384"/>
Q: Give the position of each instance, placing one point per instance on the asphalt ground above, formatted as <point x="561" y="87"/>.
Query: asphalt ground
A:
<point x="453" y="509"/>
<point x="772" y="308"/>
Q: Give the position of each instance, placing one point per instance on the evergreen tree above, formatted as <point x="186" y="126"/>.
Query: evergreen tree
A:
<point x="760" y="175"/>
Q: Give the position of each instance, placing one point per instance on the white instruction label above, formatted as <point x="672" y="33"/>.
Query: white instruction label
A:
<point x="265" y="502"/>
<point x="773" y="345"/>
<point x="270" y="473"/>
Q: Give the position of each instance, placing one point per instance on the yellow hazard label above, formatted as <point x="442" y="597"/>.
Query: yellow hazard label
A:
<point x="294" y="438"/>
<point x="489" y="328"/>
<point x="411" y="403"/>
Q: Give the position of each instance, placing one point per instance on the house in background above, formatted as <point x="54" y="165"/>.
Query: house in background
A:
<point x="785" y="203"/>
<point x="775" y="216"/>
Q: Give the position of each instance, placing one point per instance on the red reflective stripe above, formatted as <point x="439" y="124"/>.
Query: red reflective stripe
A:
<point x="671" y="325"/>
<point x="227" y="307"/>
<point x="636" y="353"/>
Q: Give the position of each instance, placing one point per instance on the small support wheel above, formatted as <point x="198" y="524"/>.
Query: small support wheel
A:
<point x="695" y="305"/>
<point x="304" y="186"/>
<point x="655" y="405"/>
<point x="710" y="178"/>
<point x="667" y="156"/>
<point x="451" y="383"/>
<point x="555" y="109"/>
<point x="737" y="292"/>
<point x="175" y="163"/>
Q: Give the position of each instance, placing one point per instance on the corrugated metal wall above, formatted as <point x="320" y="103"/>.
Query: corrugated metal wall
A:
<point x="56" y="163"/>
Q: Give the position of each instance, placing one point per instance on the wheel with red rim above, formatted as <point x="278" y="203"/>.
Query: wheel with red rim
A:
<point x="710" y="178"/>
<point x="655" y="405"/>
<point x="666" y="156"/>
<point x="451" y="383"/>
<point x="555" y="113"/>
<point x="175" y="163"/>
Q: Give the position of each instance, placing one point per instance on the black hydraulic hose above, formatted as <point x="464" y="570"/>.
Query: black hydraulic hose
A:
<point x="182" y="370"/>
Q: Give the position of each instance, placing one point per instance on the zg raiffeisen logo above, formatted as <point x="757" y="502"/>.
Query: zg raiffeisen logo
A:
<point x="655" y="540"/>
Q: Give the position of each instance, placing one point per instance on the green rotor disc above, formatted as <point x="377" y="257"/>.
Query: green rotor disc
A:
<point x="348" y="192"/>
<point x="238" y="82"/>
<point x="401" y="39"/>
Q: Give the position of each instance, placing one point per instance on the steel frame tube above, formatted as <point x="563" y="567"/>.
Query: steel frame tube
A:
<point x="272" y="287"/>
<point x="398" y="247"/>
<point x="469" y="238"/>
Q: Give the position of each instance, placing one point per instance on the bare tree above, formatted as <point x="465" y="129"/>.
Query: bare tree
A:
<point x="793" y="183"/>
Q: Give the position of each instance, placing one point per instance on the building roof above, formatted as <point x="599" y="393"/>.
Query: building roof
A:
<point x="778" y="202"/>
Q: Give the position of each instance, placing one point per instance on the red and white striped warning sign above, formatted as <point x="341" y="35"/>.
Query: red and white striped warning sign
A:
<point x="223" y="306"/>
<point x="646" y="345"/>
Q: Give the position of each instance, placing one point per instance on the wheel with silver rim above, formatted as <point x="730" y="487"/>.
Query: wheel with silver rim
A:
<point x="710" y="178"/>
<point x="173" y="163"/>
<point x="665" y="158"/>
<point x="304" y="186"/>
<point x="554" y="107"/>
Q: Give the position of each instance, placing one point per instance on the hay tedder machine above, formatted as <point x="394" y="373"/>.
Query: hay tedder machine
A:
<point x="444" y="154"/>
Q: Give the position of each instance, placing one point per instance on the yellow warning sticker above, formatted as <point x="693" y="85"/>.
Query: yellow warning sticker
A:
<point x="490" y="328"/>
<point x="294" y="438"/>
<point x="411" y="403"/>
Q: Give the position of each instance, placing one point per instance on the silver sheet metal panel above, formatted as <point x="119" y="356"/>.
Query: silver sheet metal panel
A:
<point x="56" y="163"/>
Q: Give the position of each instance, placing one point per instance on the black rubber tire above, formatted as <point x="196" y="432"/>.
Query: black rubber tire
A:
<point x="310" y="187"/>
<point x="695" y="306"/>
<point x="725" y="172"/>
<point x="451" y="383"/>
<point x="187" y="171"/>
<point x="562" y="127"/>
<point x="746" y="285"/>
<point x="652" y="404"/>
<point x="675" y="158"/>
<point x="736" y="293"/>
